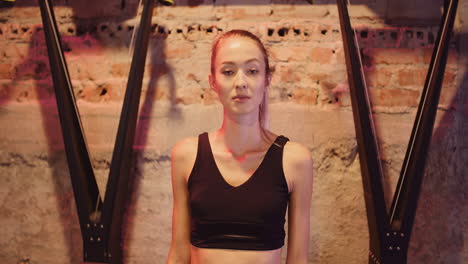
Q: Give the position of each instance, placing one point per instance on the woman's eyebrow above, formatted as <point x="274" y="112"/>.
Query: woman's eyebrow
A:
<point x="248" y="61"/>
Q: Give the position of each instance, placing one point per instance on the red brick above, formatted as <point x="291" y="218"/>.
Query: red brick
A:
<point x="327" y="94"/>
<point x="12" y="31"/>
<point x="452" y="58"/>
<point x="90" y="92"/>
<point x="449" y="89"/>
<point x="412" y="77"/>
<point x="341" y="91"/>
<point x="317" y="77"/>
<point x="190" y="95"/>
<point x="5" y="71"/>
<point x="5" y="87"/>
<point x="322" y="55"/>
<point x="90" y="68"/>
<point x="233" y="12"/>
<point x="5" y="91"/>
<point x="100" y="92"/>
<point x="20" y="91"/>
<point x="120" y="69"/>
<point x="183" y="7"/>
<point x="23" y="50"/>
<point x="417" y="77"/>
<point x="378" y="77"/>
<point x="305" y="96"/>
<point x="29" y="90"/>
<point x="299" y="10"/>
<point x="394" y="56"/>
<point x="23" y="13"/>
<point x="289" y="53"/>
<point x="394" y="97"/>
<point x="317" y="74"/>
<point x="236" y="13"/>
<point x="16" y="51"/>
<point x="289" y="75"/>
<point x="26" y="70"/>
<point x="450" y="77"/>
<point x="179" y="51"/>
<point x="340" y="56"/>
<point x="3" y="47"/>
<point x="321" y="33"/>
<point x="77" y="71"/>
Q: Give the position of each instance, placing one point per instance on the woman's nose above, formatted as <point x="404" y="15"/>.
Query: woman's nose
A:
<point x="240" y="81"/>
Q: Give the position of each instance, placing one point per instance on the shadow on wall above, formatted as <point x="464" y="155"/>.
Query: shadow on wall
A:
<point x="438" y="231"/>
<point x="159" y="68"/>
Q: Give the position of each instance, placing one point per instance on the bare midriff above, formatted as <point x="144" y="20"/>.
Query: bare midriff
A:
<point x="234" y="256"/>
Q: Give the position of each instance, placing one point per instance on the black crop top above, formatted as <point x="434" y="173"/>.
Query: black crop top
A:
<point x="250" y="216"/>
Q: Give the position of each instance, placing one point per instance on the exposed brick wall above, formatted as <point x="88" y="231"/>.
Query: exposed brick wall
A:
<point x="309" y="100"/>
<point x="393" y="67"/>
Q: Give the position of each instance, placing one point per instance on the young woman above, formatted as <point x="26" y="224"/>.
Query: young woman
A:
<point x="232" y="186"/>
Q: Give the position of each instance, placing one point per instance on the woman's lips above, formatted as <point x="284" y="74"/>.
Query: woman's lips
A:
<point x="241" y="98"/>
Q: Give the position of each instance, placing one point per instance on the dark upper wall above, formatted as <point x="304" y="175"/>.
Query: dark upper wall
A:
<point x="401" y="12"/>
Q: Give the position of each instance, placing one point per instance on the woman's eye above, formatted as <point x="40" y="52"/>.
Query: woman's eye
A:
<point x="227" y="72"/>
<point x="253" y="71"/>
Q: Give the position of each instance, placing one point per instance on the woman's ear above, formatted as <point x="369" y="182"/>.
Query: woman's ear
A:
<point x="212" y="82"/>
<point x="268" y="80"/>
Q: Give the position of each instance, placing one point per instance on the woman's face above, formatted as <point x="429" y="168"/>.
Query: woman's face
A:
<point x="239" y="75"/>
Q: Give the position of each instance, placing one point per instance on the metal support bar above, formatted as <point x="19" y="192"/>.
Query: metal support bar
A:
<point x="119" y="176"/>
<point x="100" y="228"/>
<point x="406" y="194"/>
<point x="87" y="199"/>
<point x="390" y="234"/>
<point x="369" y="158"/>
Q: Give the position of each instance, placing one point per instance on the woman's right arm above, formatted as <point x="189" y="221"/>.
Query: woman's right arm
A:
<point x="182" y="159"/>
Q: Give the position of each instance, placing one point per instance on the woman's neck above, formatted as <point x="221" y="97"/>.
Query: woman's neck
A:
<point x="240" y="134"/>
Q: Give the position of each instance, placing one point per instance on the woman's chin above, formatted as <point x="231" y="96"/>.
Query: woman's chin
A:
<point x="243" y="111"/>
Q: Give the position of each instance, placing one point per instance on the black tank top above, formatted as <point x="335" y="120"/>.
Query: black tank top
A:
<point x="250" y="216"/>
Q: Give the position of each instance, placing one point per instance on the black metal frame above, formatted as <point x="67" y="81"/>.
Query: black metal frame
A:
<point x="101" y="221"/>
<point x="390" y="233"/>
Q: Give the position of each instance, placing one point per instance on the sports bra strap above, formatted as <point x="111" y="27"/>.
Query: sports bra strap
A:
<point x="281" y="141"/>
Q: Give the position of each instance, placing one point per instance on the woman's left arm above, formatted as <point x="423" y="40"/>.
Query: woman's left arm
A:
<point x="297" y="165"/>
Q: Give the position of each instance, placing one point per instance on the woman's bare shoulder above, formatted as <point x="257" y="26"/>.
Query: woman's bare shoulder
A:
<point x="297" y="152"/>
<point x="183" y="156"/>
<point x="184" y="146"/>
<point x="297" y="163"/>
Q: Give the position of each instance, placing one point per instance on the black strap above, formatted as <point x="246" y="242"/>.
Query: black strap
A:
<point x="281" y="141"/>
